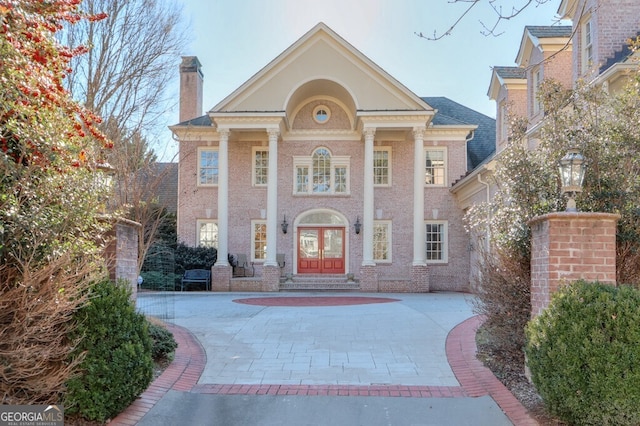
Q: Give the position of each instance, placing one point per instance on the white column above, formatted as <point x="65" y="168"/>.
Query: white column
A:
<point x="418" y="197"/>
<point x="223" y="198"/>
<point x="272" y="199"/>
<point x="367" y="199"/>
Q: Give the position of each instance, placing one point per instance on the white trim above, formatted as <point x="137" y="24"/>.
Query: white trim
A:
<point x="337" y="161"/>
<point x="387" y="223"/>
<point x="325" y="109"/>
<point x="389" y="151"/>
<point x="445" y="157"/>
<point x="445" y="241"/>
<point x="254" y="150"/>
<point x="199" y="223"/>
<point x="202" y="149"/>
<point x="253" y="240"/>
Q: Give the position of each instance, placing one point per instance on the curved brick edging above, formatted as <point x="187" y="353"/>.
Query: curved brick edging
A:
<point x="182" y="374"/>
<point x="475" y="378"/>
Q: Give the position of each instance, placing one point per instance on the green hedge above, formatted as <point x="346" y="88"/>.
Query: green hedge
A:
<point x="163" y="342"/>
<point x="117" y="366"/>
<point x="584" y="354"/>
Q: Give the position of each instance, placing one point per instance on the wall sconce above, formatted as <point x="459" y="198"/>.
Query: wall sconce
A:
<point x="434" y="214"/>
<point x="378" y="214"/>
<point x="357" y="226"/>
<point x="208" y="213"/>
<point x="572" y="167"/>
<point x="284" y="225"/>
<point x="263" y="213"/>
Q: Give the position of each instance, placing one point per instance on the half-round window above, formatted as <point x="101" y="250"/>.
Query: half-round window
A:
<point x="321" y="114"/>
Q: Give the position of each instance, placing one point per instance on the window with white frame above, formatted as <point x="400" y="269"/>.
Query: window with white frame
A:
<point x="260" y="165"/>
<point x="321" y="173"/>
<point x="382" y="166"/>
<point x="436" y="247"/>
<point x="435" y="166"/>
<point x="208" y="166"/>
<point x="382" y="241"/>
<point x="537" y="79"/>
<point x="207" y="233"/>
<point x="587" y="45"/>
<point x="259" y="240"/>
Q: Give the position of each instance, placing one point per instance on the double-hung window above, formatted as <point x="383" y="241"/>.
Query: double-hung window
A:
<point x="260" y="165"/>
<point x="587" y="45"/>
<point x="259" y="240"/>
<point x="382" y="241"/>
<point x="208" y="166"/>
<point x="321" y="173"/>
<point x="537" y="80"/>
<point x="382" y="166"/>
<point x="436" y="244"/>
<point x="435" y="166"/>
<point x="207" y="233"/>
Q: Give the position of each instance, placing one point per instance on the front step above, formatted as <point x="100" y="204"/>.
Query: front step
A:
<point x="323" y="282"/>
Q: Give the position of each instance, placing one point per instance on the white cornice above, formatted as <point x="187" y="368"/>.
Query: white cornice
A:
<point x="452" y="133"/>
<point x="320" y="135"/>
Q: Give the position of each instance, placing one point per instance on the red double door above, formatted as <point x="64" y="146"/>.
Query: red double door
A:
<point x="321" y="250"/>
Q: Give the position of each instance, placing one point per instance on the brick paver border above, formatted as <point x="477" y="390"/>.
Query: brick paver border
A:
<point x="474" y="378"/>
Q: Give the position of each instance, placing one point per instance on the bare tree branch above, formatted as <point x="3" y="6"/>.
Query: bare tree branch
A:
<point x="498" y="10"/>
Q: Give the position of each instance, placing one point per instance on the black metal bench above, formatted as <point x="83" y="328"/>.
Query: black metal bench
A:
<point x="196" y="276"/>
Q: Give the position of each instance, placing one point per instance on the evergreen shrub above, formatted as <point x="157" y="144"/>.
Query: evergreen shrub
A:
<point x="584" y="354"/>
<point x="115" y="344"/>
<point x="163" y="342"/>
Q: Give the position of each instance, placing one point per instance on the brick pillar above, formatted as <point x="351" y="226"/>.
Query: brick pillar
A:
<point x="369" y="278"/>
<point x="419" y="279"/>
<point x="567" y="247"/>
<point x="121" y="254"/>
<point x="221" y="277"/>
<point x="270" y="278"/>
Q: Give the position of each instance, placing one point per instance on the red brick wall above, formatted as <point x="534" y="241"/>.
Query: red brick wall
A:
<point x="570" y="246"/>
<point x="246" y="201"/>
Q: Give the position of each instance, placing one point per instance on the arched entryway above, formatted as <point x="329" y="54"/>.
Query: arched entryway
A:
<point x="321" y="243"/>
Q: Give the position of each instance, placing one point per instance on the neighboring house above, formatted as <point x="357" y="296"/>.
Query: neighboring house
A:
<point x="327" y="161"/>
<point x="593" y="49"/>
<point x="167" y="187"/>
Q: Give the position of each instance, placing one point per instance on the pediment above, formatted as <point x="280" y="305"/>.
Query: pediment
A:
<point x="320" y="64"/>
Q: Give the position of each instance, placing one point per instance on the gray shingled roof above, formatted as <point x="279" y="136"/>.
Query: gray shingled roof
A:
<point x="550" y="31"/>
<point x="620" y="56"/>
<point x="483" y="143"/>
<point x="203" y="120"/>
<point x="511" y="72"/>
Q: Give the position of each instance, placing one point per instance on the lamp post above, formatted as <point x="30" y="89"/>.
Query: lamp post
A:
<point x="572" y="167"/>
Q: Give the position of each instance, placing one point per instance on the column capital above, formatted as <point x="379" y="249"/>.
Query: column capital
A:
<point x="273" y="133"/>
<point x="369" y="132"/>
<point x="224" y="132"/>
<point x="418" y="132"/>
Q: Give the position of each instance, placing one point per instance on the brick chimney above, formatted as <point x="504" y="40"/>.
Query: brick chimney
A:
<point x="190" y="88"/>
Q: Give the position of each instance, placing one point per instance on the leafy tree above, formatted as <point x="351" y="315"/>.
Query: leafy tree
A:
<point x="603" y="126"/>
<point x="51" y="199"/>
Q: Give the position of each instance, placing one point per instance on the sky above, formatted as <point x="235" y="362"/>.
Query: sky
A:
<point x="234" y="39"/>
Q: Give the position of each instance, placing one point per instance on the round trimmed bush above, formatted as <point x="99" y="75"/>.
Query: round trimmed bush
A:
<point x="115" y="343"/>
<point x="584" y="354"/>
